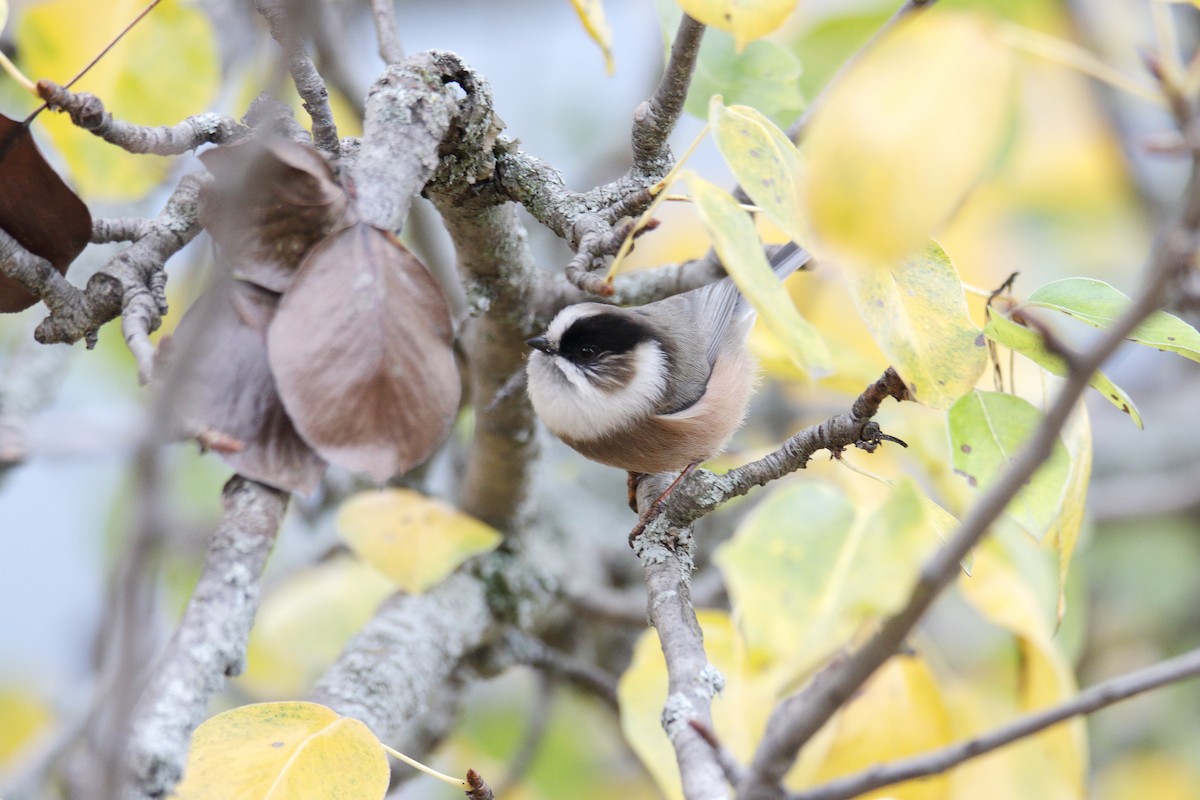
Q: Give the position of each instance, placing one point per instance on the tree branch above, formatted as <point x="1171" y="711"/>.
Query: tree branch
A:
<point x="655" y="118"/>
<point x="286" y="30"/>
<point x="384" y="12"/>
<point x="792" y="724"/>
<point x="210" y="642"/>
<point x="666" y="556"/>
<point x="938" y="761"/>
<point x="132" y="284"/>
<point x="87" y="111"/>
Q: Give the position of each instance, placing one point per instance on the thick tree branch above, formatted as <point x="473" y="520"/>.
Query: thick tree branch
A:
<point x="666" y="556"/>
<point x="87" y="112"/>
<point x="210" y="642"/>
<point x="1091" y="699"/>
<point x="793" y="724"/>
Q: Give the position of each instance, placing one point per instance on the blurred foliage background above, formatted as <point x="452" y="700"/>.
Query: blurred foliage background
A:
<point x="1077" y="193"/>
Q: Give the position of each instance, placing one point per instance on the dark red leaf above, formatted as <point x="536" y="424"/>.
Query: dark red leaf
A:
<point x="37" y="209"/>
<point x="269" y="203"/>
<point x="228" y="396"/>
<point x="361" y="350"/>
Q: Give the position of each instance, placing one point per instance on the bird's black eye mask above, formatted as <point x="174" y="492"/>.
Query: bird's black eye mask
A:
<point x="589" y="338"/>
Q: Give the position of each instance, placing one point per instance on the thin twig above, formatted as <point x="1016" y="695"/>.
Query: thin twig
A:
<point x="384" y="12"/>
<point x="938" y="761"/>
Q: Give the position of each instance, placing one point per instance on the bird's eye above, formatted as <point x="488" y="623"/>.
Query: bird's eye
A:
<point x="588" y="351"/>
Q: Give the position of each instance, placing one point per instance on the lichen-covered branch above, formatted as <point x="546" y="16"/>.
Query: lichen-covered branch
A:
<point x="654" y="119"/>
<point x="666" y="555"/>
<point x="87" y="111"/>
<point x="132" y="284"/>
<point x="210" y="642"/>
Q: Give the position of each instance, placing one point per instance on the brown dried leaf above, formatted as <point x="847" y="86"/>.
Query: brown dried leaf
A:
<point x="361" y="350"/>
<point x="270" y="202"/>
<point x="37" y="209"/>
<point x="228" y="394"/>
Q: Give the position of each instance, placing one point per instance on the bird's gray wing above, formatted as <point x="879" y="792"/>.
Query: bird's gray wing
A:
<point x="720" y="304"/>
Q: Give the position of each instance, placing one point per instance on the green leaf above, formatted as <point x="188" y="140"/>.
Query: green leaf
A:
<point x="904" y="136"/>
<point x="1029" y="343"/>
<point x="740" y="250"/>
<point x="764" y="161"/>
<point x="1100" y="305"/>
<point x="414" y="540"/>
<point x="745" y="19"/>
<point x="807" y="568"/>
<point x="987" y="429"/>
<point x="164" y="71"/>
<point x="765" y="76"/>
<point x="277" y="751"/>
<point x="917" y="314"/>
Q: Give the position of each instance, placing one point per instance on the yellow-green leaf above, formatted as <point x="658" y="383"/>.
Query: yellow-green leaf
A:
<point x="904" y="136"/>
<point x="414" y="540"/>
<point x="740" y="711"/>
<point x="27" y="718"/>
<point x="1099" y="305"/>
<point x="1029" y="343"/>
<point x="591" y="14"/>
<point x="284" y="751"/>
<point x="806" y="569"/>
<point x="305" y="621"/>
<point x="764" y="161"/>
<point x="918" y="316"/>
<point x="747" y="20"/>
<point x="740" y="250"/>
<point x="1058" y="756"/>
<point x="987" y="430"/>
<point x="1077" y="436"/>
<point x="901" y="696"/>
<point x="164" y="71"/>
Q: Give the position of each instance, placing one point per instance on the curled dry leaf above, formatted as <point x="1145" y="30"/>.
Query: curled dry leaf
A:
<point x="219" y="353"/>
<point x="270" y="202"/>
<point x="361" y="351"/>
<point x="37" y="209"/>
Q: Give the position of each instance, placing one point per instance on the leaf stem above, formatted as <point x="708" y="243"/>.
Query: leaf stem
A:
<point x="430" y="771"/>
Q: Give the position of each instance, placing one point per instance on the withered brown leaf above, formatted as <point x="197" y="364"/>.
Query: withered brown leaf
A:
<point x="270" y="201"/>
<point x="219" y="353"/>
<point x="37" y="209"/>
<point x="361" y="350"/>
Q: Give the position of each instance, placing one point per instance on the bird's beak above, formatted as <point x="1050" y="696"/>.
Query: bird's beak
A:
<point x="542" y="343"/>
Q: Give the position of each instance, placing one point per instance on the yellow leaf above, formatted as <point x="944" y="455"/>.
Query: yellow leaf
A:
<point x="901" y="696"/>
<point x="764" y="161"/>
<point x="3" y="14"/>
<point x="802" y="589"/>
<point x="284" y="751"/>
<point x="904" y="136"/>
<point x="747" y="20"/>
<point x="917" y="313"/>
<point x="1077" y="436"/>
<point x="164" y="71"/>
<point x="1143" y="775"/>
<point x="1056" y="757"/>
<point x="26" y="717"/>
<point x="739" y="713"/>
<point x="740" y="250"/>
<point x="305" y="622"/>
<point x="414" y="540"/>
<point x="591" y="14"/>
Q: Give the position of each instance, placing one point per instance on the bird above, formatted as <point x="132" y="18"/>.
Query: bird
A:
<point x="654" y="388"/>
